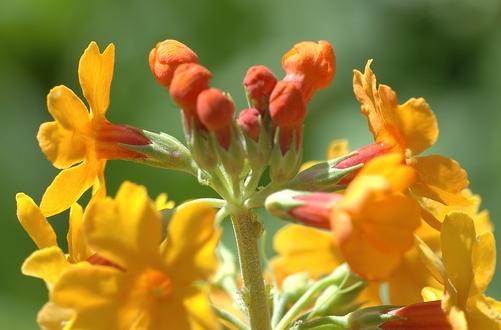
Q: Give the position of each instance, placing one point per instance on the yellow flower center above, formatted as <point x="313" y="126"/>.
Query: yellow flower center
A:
<point x="154" y="284"/>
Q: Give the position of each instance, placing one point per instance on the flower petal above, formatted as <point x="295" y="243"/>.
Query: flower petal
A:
<point x="67" y="188"/>
<point x="191" y="242"/>
<point x="125" y="230"/>
<point x="67" y="109"/>
<point x="54" y="317"/>
<point x="199" y="311"/>
<point x="418" y="125"/>
<point x="483" y="315"/>
<point x="77" y="244"/>
<point x="62" y="147"/>
<point x="441" y="179"/>
<point x="484" y="261"/>
<point x="458" y="239"/>
<point x="95" y="72"/>
<point x="47" y="264"/>
<point x="337" y="148"/>
<point x="36" y="225"/>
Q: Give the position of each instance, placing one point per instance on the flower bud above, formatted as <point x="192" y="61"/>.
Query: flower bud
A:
<point x="426" y="315"/>
<point x="259" y="82"/>
<point x="287" y="111"/>
<point x="112" y="141"/>
<point x="310" y="66"/>
<point x="311" y="209"/>
<point x="189" y="81"/>
<point x="249" y="122"/>
<point x="215" y="111"/>
<point x="166" y="57"/>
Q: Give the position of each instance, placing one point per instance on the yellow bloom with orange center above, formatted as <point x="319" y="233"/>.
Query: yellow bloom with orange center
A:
<point x="80" y="141"/>
<point x="410" y="129"/>
<point x="156" y="284"/>
<point x="465" y="270"/>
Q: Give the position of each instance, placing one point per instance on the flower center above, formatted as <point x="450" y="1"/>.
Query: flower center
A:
<point x="155" y="284"/>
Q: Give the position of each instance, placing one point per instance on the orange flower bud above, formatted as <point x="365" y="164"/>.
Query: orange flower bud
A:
<point x="316" y="210"/>
<point x="362" y="156"/>
<point x="426" y="315"/>
<point x="166" y="57"/>
<point x="259" y="82"/>
<point x="215" y="111"/>
<point x="190" y="79"/>
<point x="287" y="106"/>
<point x="311" y="66"/>
<point x="248" y="120"/>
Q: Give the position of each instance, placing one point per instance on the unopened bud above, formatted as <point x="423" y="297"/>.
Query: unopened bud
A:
<point x="189" y="81"/>
<point x="310" y="66"/>
<point x="361" y="156"/>
<point x="309" y="208"/>
<point x="259" y="82"/>
<point x="166" y="57"/>
<point x="426" y="315"/>
<point x="295" y="285"/>
<point x="112" y="141"/>
<point x="249" y="122"/>
<point x="215" y="111"/>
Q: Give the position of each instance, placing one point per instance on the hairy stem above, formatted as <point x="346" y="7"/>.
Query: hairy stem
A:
<point x="247" y="232"/>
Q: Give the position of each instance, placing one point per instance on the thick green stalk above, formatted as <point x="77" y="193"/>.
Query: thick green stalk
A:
<point x="247" y="232"/>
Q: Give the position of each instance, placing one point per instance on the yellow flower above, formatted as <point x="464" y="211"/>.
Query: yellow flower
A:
<point x="410" y="128"/>
<point x="465" y="270"/>
<point x="80" y="137"/>
<point x="157" y="285"/>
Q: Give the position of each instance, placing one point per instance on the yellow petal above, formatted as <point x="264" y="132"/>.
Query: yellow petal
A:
<point x="458" y="238"/>
<point x="47" y="264"/>
<point x="337" y="148"/>
<point x="54" y="317"/>
<point x="418" y="125"/>
<point x="191" y="242"/>
<point x="92" y="292"/>
<point x="67" y="187"/>
<point x="62" y="147"/>
<point x="457" y="319"/>
<point x="125" y="230"/>
<point x="95" y="72"/>
<point x="441" y="179"/>
<point x="33" y="221"/>
<point x="484" y="260"/>
<point x="77" y="244"/>
<point x="431" y="294"/>
<point x="67" y="109"/>
<point x="199" y="312"/>
<point x="398" y="175"/>
<point x="433" y="263"/>
<point x="162" y="202"/>
<point x="285" y="241"/>
<point x="482" y="314"/>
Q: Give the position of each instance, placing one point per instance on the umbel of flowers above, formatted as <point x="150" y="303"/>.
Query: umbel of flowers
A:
<point x="384" y="237"/>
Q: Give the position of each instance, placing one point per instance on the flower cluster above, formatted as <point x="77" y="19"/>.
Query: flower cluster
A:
<point x="377" y="226"/>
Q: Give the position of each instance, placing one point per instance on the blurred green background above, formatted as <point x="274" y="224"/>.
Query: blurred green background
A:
<point x="448" y="51"/>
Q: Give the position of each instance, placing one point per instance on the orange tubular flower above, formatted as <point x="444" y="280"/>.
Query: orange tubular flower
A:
<point x="287" y="110"/>
<point x="166" y="57"/>
<point x="410" y="129"/>
<point x="310" y="66"/>
<point x="215" y="112"/>
<point x="81" y="136"/>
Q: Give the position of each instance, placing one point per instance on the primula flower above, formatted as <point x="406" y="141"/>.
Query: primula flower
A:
<point x="83" y="137"/>
<point x="466" y="268"/>
<point x="157" y="284"/>
<point x="410" y="129"/>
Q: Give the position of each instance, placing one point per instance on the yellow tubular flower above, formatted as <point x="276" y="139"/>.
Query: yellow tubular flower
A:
<point x="79" y="141"/>
<point x="160" y="287"/>
<point x="465" y="270"/>
<point x="410" y="128"/>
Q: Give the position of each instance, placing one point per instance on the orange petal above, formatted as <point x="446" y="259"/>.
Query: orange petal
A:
<point x="67" y="109"/>
<point x="62" y="147"/>
<point x="441" y="179"/>
<point x="418" y="125"/>
<point x="484" y="260"/>
<point x="67" y="188"/>
<point x="124" y="230"/>
<point x="95" y="72"/>
<point x="36" y="225"/>
<point x="77" y="243"/>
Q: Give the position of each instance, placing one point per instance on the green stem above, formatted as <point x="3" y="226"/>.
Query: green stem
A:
<point x="279" y="309"/>
<point x="247" y="232"/>
<point x="305" y="300"/>
<point x="230" y="318"/>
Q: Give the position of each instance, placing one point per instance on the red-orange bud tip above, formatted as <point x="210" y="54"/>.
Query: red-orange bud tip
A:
<point x="426" y="315"/>
<point x="287" y="106"/>
<point x="166" y="57"/>
<point x="189" y="80"/>
<point x="259" y="82"/>
<point x="310" y="65"/>
<point x="248" y="120"/>
<point x="214" y="109"/>
<point x="316" y="210"/>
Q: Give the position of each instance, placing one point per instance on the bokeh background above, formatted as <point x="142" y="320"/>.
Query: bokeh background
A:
<point x="448" y="51"/>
